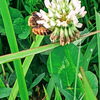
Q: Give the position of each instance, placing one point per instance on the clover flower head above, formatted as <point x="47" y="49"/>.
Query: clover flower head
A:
<point x="62" y="19"/>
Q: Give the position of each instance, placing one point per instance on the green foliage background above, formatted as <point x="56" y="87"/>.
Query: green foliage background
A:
<point x="53" y="68"/>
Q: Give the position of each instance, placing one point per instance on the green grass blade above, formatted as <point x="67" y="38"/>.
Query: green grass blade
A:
<point x="89" y="94"/>
<point x="25" y="66"/>
<point x="88" y="53"/>
<point x="46" y="94"/>
<point x="14" y="48"/>
<point x="22" y="54"/>
<point x="78" y="60"/>
<point x="57" y="95"/>
<point x="50" y="87"/>
<point x="1" y="83"/>
<point x="1" y="51"/>
<point x="37" y="80"/>
<point x="98" y="41"/>
<point x="96" y="70"/>
<point x="9" y="67"/>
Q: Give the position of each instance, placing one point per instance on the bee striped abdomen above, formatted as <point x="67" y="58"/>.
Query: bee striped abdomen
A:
<point x="41" y="30"/>
<point x="37" y="28"/>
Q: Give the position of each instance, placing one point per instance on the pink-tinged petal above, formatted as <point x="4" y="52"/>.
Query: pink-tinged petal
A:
<point x="50" y="13"/>
<point x="77" y="10"/>
<point x="82" y="9"/>
<point x="70" y="7"/>
<point x="76" y="3"/>
<point x="47" y="3"/>
<point x="58" y="23"/>
<point x="83" y="14"/>
<point x="46" y="25"/>
<point x="44" y="16"/>
<point x="40" y="21"/>
<point x="64" y="24"/>
<point x="71" y="14"/>
<point x="75" y="20"/>
<point x="52" y="23"/>
<point x="58" y="7"/>
<point x="79" y="25"/>
<point x="39" y="14"/>
<point x="58" y="15"/>
<point x="53" y="5"/>
<point x="63" y="10"/>
<point x="42" y="12"/>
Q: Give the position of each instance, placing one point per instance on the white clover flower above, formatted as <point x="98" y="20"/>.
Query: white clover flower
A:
<point x="63" y="10"/>
<point x="79" y="25"/>
<point x="58" y="7"/>
<point x="64" y="24"/>
<point x="52" y="23"/>
<point x="47" y="3"/>
<point x="58" y="15"/>
<point x="62" y="19"/>
<point x="82" y="12"/>
<point x="76" y="3"/>
<point x="70" y="7"/>
<point x="46" y="25"/>
<point x="44" y="16"/>
<point x="39" y="14"/>
<point x="50" y="13"/>
<point x="71" y="15"/>
<point x="53" y="5"/>
<point x="58" y="23"/>
<point x="40" y="21"/>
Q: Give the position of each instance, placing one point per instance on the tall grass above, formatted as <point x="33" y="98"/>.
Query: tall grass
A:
<point x="14" y="48"/>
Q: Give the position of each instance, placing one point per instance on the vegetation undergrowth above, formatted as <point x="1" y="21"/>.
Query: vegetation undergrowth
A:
<point x="34" y="68"/>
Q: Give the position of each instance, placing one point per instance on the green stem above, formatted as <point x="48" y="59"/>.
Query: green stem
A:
<point x="10" y="68"/>
<point x="78" y="60"/>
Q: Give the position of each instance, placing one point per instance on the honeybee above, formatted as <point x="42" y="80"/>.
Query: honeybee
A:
<point x="38" y="29"/>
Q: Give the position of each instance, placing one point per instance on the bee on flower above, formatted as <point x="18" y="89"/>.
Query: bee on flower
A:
<point x="62" y="19"/>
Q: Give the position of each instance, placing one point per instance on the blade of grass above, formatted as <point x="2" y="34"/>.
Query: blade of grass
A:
<point x="18" y="4"/>
<point x="89" y="94"/>
<point x="37" y="80"/>
<point x="57" y="94"/>
<point x="46" y="94"/>
<point x="22" y="54"/>
<point x="96" y="70"/>
<point x="25" y="66"/>
<point x="50" y="87"/>
<point x="98" y="41"/>
<point x="9" y="67"/>
<point x="88" y="53"/>
<point x="1" y="51"/>
<point x="77" y="72"/>
<point x="14" y="48"/>
<point x="1" y="83"/>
